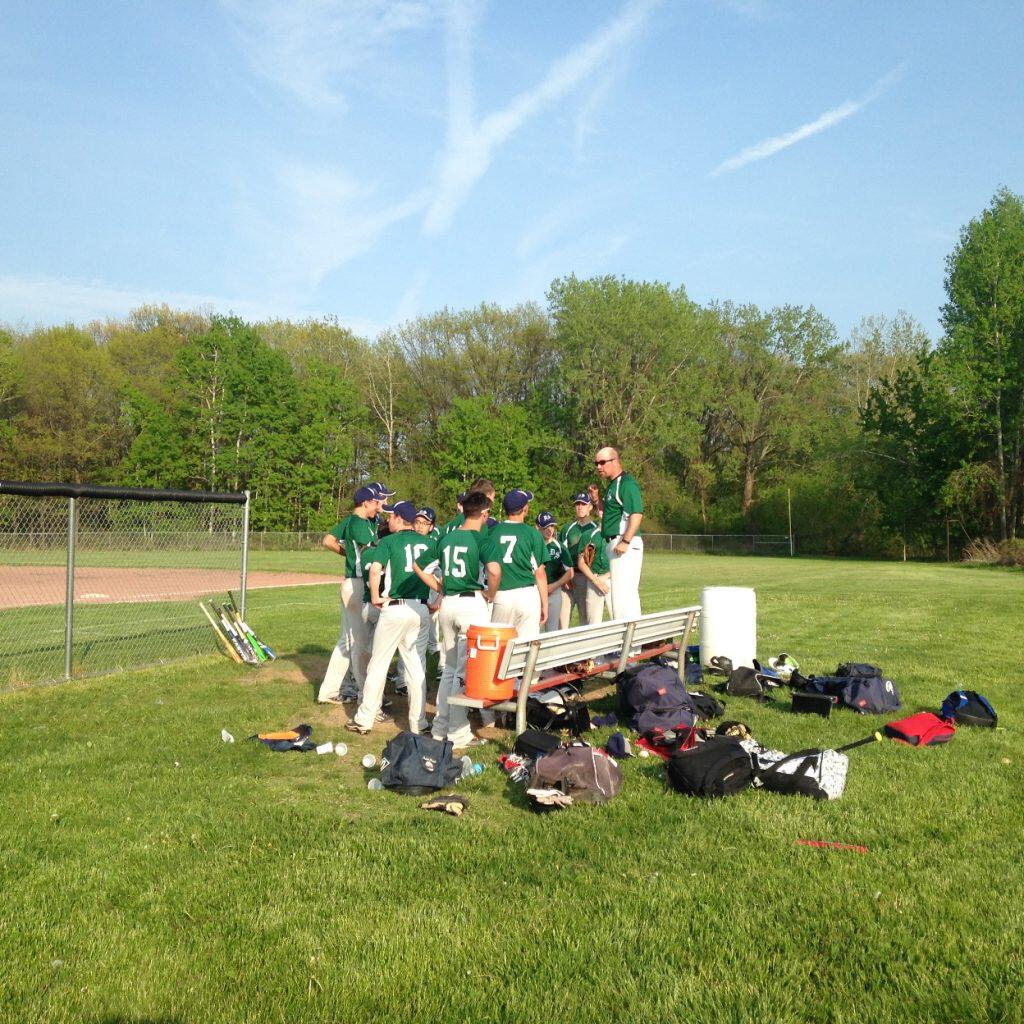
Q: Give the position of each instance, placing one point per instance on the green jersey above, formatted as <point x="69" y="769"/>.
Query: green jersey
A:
<point x="570" y="538"/>
<point x="557" y="562"/>
<point x="520" y="551"/>
<point x="621" y="500"/>
<point x="396" y="553"/>
<point x="453" y="524"/>
<point x="591" y="534"/>
<point x="354" y="534"/>
<point x="458" y="554"/>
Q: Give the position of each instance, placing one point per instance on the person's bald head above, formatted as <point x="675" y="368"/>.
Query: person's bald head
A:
<point x="607" y="463"/>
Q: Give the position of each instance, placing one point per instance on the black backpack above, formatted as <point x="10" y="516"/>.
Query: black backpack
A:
<point x="719" y="767"/>
<point x="968" y="707"/>
<point x="653" y="696"/>
<point x="707" y="706"/>
<point x="859" y="668"/>
<point x="416" y="765"/>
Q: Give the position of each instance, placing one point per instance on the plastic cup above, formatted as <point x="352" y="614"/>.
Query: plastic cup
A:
<point x="478" y="769"/>
<point x="375" y="785"/>
<point x="341" y="749"/>
<point x="369" y="761"/>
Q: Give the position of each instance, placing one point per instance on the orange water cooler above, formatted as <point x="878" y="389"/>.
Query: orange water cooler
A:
<point x="485" y="647"/>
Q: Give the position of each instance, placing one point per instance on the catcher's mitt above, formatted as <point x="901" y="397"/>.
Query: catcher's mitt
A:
<point x="589" y="554"/>
<point x="448" y="804"/>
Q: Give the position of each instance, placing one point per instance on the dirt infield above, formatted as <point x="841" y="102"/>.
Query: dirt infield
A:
<point x="30" y="585"/>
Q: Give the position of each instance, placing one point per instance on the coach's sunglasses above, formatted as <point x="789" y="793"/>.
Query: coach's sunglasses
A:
<point x="601" y="462"/>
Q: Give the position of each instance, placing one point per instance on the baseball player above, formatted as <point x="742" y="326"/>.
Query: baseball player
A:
<point x="570" y="537"/>
<point x="559" y="571"/>
<point x="622" y="512"/>
<point x="455" y="568"/>
<point x="592" y="565"/>
<point x="517" y="551"/>
<point x="480" y="484"/>
<point x="351" y="538"/>
<point x="403" y="619"/>
<point x="426" y="518"/>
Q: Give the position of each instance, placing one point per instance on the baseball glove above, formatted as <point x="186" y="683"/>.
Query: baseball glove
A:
<point x="589" y="554"/>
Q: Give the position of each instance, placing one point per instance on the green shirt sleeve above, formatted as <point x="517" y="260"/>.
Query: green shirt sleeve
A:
<point x="339" y="530"/>
<point x="379" y="553"/>
<point x="487" y="549"/>
<point x="429" y="557"/>
<point x="629" y="495"/>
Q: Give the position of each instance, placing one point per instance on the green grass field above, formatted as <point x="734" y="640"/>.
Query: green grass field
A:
<point x="151" y="873"/>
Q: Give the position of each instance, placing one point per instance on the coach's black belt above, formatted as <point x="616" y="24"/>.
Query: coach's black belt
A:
<point x="408" y="600"/>
<point x="469" y="593"/>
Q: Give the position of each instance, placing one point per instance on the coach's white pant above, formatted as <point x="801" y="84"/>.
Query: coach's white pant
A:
<point x="398" y="629"/>
<point x="594" y="602"/>
<point x="519" y="608"/>
<point x="352" y="651"/>
<point x="626" y="579"/>
<point x="457" y="614"/>
<point x="557" y="600"/>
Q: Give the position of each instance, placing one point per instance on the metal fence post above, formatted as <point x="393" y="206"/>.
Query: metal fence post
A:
<point x="69" y="594"/>
<point x="245" y="556"/>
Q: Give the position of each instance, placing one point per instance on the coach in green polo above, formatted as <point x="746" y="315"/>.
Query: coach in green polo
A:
<point x="622" y="512"/>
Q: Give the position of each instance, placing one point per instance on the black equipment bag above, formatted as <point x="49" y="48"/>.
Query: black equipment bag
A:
<point x="533" y="743"/>
<point x="416" y="764"/>
<point x="859" y="668"/>
<point x="814" y="704"/>
<point x="720" y="767"/>
<point x="968" y="707"/>
<point x="707" y="706"/>
<point x="571" y="713"/>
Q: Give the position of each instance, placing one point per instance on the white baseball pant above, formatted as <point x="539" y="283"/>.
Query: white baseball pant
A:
<point x="352" y="651"/>
<point x="457" y="614"/>
<point x="399" y="628"/>
<point x="626" y="578"/>
<point x="557" y="600"/>
<point x="519" y="608"/>
<point x="565" y="609"/>
<point x="594" y="602"/>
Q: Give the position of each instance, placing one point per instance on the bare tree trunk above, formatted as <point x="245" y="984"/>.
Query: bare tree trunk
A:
<point x="749" y="482"/>
<point x="1000" y="463"/>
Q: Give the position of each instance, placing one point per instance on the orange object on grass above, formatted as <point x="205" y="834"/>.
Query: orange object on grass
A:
<point x="485" y="647"/>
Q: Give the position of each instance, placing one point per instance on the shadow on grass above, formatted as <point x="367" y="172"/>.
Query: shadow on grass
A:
<point x="311" y="660"/>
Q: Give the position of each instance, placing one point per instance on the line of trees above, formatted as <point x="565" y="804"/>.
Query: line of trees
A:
<point x="885" y="441"/>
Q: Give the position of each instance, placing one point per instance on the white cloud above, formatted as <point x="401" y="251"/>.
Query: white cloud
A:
<point x="769" y="147"/>
<point x="472" y="146"/>
<point x="309" y="47"/>
<point x="30" y="300"/>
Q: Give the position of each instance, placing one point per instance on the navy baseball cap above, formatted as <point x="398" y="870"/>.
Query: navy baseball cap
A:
<point x="515" y="501"/>
<point x="405" y="510"/>
<point x="383" y="491"/>
<point x="427" y="513"/>
<point x="365" y="494"/>
<point x="583" y="499"/>
<point x="546" y="519"/>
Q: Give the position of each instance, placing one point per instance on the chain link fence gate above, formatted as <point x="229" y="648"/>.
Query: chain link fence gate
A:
<point x="96" y="579"/>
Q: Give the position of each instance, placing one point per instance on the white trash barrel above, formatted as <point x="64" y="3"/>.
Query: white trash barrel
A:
<point x="728" y="625"/>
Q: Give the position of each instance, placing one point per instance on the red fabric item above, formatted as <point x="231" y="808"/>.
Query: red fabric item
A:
<point x="921" y="730"/>
<point x="685" y="739"/>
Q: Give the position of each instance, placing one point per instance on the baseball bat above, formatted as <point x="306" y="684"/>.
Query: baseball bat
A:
<point x="247" y="634"/>
<point x="252" y="633"/>
<point x="224" y="642"/>
<point x="247" y="650"/>
<point x="875" y="737"/>
<point x="233" y="636"/>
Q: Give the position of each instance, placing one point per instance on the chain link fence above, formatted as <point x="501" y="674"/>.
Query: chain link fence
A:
<point x="719" y="543"/>
<point x="91" y="583"/>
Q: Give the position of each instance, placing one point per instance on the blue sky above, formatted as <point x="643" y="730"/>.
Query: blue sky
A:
<point x="378" y="160"/>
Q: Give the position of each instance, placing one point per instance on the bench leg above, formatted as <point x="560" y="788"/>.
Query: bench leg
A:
<point x="683" y="642"/>
<point x="529" y="670"/>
